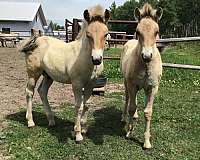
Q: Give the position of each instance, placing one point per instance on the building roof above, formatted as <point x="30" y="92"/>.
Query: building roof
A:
<point x="20" y="11"/>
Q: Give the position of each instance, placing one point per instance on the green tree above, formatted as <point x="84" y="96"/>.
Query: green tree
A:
<point x="124" y="12"/>
<point x="169" y="19"/>
<point x="180" y="17"/>
<point x="56" y="26"/>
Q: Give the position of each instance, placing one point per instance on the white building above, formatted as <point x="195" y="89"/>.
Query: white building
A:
<point x="21" y="17"/>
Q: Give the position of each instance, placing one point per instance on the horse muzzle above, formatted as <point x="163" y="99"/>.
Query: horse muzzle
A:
<point x="97" y="56"/>
<point x="147" y="55"/>
<point x="97" y="61"/>
<point x="146" y="59"/>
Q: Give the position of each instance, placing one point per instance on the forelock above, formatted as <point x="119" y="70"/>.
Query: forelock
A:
<point x="147" y="11"/>
<point x="97" y="13"/>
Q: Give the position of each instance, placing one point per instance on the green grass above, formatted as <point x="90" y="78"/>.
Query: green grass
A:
<point x="184" y="53"/>
<point x="175" y="124"/>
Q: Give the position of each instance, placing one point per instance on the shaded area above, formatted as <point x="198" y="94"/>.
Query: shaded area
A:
<point x="62" y="130"/>
<point x="107" y="121"/>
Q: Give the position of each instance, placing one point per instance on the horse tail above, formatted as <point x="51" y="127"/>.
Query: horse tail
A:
<point x="28" y="45"/>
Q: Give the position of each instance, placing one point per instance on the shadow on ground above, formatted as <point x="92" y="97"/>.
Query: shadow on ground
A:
<point x="106" y="121"/>
<point x="62" y="130"/>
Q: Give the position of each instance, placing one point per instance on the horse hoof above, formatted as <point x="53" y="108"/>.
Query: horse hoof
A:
<point x="31" y="124"/>
<point x="135" y="116"/>
<point x="84" y="131"/>
<point x="147" y="145"/>
<point x="52" y="123"/>
<point x="79" y="138"/>
<point x="123" y="119"/>
<point x="128" y="135"/>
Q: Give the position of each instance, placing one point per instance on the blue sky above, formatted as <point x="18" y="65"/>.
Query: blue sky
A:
<point x="58" y="10"/>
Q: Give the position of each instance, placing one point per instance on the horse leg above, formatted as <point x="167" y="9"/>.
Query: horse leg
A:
<point x="2" y="43"/>
<point x="150" y="94"/>
<point x="79" y="111"/>
<point x="43" y="92"/>
<point x="135" y="116"/>
<point x="6" y="44"/>
<point x="32" y="80"/>
<point x="125" y="111"/>
<point x="132" y="91"/>
<point x="87" y="94"/>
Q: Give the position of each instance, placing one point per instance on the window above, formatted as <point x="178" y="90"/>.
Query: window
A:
<point x="6" y="30"/>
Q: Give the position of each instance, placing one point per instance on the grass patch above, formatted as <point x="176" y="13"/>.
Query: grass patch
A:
<point x="182" y="53"/>
<point x="175" y="124"/>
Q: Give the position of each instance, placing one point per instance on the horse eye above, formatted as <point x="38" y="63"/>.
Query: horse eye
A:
<point x="106" y="35"/>
<point x="137" y="32"/>
<point x="88" y="35"/>
<point x="157" y="33"/>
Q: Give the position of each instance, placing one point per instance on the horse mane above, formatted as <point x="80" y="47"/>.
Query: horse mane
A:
<point x="82" y="31"/>
<point x="97" y="10"/>
<point x="147" y="11"/>
<point x="96" y="14"/>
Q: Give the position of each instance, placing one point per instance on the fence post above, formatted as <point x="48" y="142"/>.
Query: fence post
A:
<point x="75" y="29"/>
<point x="66" y="27"/>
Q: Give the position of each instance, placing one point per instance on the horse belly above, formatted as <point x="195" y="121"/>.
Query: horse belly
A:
<point x="58" y="76"/>
<point x="56" y="70"/>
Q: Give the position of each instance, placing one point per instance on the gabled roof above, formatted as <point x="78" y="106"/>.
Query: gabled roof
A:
<point x="20" y="11"/>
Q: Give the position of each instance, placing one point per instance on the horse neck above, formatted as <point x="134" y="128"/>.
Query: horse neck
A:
<point x="85" y="47"/>
<point x="138" y="51"/>
<point x="85" y="44"/>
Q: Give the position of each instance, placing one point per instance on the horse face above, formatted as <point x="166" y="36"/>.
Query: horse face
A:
<point x="97" y="32"/>
<point x="147" y="32"/>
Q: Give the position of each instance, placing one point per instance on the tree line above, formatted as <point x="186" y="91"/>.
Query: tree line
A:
<point x="181" y="18"/>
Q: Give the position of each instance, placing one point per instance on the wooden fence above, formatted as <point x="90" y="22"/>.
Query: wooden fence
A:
<point x="161" y="43"/>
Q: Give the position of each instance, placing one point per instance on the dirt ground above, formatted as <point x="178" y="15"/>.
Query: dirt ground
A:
<point x="13" y="81"/>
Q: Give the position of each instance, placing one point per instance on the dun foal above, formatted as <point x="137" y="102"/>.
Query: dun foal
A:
<point x="142" y="67"/>
<point x="73" y="63"/>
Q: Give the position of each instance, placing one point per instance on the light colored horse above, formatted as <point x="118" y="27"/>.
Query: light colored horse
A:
<point x="142" y="68"/>
<point x="73" y="63"/>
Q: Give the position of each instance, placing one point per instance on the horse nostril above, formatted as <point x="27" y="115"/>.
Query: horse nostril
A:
<point x="96" y="61"/>
<point x="147" y="58"/>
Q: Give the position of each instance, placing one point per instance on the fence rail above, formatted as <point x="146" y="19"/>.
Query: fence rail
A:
<point x="169" y="65"/>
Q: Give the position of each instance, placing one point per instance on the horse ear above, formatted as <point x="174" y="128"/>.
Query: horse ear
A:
<point x="86" y="15"/>
<point x="159" y="13"/>
<point x="106" y="15"/>
<point x="137" y="14"/>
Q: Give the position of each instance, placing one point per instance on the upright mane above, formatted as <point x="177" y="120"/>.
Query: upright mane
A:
<point x="96" y="14"/>
<point x="97" y="10"/>
<point x="82" y="31"/>
<point x="147" y="11"/>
